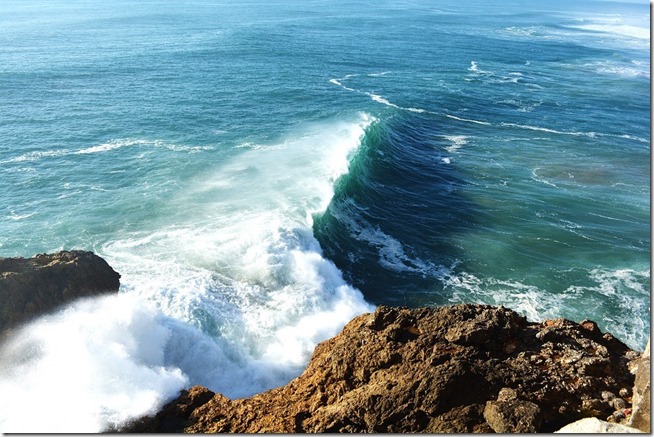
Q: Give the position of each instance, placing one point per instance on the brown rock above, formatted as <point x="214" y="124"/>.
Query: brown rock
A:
<point x="511" y="415"/>
<point x="445" y="369"/>
<point x="640" y="417"/>
<point x="30" y="287"/>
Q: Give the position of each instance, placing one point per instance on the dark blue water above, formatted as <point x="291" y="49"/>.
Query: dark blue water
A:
<point x="261" y="172"/>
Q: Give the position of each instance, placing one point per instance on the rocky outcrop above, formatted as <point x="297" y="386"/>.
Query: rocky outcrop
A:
<point x="462" y="368"/>
<point x="640" y="417"/>
<point x="30" y="287"/>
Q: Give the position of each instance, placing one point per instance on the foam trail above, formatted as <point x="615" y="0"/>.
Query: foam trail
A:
<point x="380" y="99"/>
<point x="468" y="120"/>
<point x="553" y="131"/>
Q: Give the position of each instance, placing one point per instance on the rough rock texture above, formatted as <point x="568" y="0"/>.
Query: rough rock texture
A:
<point x="508" y="414"/>
<point x="30" y="287"/>
<point x="640" y="417"/>
<point x="449" y="369"/>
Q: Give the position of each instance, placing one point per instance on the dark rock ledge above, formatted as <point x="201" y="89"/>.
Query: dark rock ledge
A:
<point x="461" y="368"/>
<point x="30" y="287"/>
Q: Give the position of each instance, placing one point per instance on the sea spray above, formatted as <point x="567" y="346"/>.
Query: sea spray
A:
<point x="233" y="294"/>
<point x="94" y="364"/>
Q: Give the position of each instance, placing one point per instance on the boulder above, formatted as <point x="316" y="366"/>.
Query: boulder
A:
<point x="640" y="416"/>
<point x="592" y="425"/>
<point x="30" y="287"/>
<point x="508" y="414"/>
<point x="461" y="368"/>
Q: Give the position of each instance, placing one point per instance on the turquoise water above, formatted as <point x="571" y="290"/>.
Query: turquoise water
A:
<point x="260" y="173"/>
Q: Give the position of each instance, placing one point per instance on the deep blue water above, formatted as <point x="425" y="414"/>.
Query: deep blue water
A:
<point x="261" y="172"/>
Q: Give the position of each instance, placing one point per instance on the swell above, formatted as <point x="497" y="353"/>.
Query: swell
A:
<point x="389" y="222"/>
<point x="428" y="216"/>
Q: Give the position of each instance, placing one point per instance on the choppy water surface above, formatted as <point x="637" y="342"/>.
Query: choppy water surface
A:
<point x="260" y="173"/>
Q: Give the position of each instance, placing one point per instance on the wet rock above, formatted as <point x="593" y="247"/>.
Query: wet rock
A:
<point x="461" y="368"/>
<point x="30" y="287"/>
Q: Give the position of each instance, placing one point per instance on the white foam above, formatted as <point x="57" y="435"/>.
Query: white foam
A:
<point x="380" y="99"/>
<point x="91" y="365"/>
<point x="106" y="147"/>
<point x="628" y="71"/>
<point x="229" y="290"/>
<point x="457" y="141"/>
<point x="614" y="288"/>
<point x="15" y="216"/>
<point x="391" y="252"/>
<point x="535" y="176"/>
<point x="621" y="288"/>
<point x="548" y="130"/>
<point x="468" y="120"/>
<point x="340" y="83"/>
<point x="36" y="155"/>
<point x="384" y="73"/>
<point x="128" y="142"/>
<point x="618" y="29"/>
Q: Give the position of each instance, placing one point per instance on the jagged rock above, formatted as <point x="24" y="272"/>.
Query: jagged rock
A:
<point x="30" y="287"/>
<point x="425" y="370"/>
<point x="640" y="417"/>
<point x="592" y="425"/>
<point x="508" y="414"/>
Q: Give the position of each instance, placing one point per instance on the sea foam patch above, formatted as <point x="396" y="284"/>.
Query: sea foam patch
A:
<point x="230" y="291"/>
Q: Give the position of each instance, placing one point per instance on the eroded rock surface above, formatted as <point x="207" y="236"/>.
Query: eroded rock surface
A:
<point x="30" y="287"/>
<point x="641" y="415"/>
<point x="461" y="368"/>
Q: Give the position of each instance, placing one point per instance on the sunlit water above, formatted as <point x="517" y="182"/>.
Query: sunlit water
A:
<point x="260" y="173"/>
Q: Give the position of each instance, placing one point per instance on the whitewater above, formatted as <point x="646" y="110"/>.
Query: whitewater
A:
<point x="233" y="296"/>
<point x="261" y="173"/>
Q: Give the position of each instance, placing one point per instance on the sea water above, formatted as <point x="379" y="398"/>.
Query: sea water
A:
<point x="261" y="172"/>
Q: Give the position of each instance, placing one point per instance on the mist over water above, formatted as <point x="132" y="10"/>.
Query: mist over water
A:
<point x="233" y="293"/>
<point x="259" y="174"/>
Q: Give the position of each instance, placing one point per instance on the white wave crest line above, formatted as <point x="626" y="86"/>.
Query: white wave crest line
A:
<point x="576" y="134"/>
<point x="383" y="73"/>
<point x="337" y="82"/>
<point x="379" y="99"/>
<point x="633" y="138"/>
<point x="14" y="216"/>
<point x="636" y="32"/>
<point x="552" y="131"/>
<point x="468" y="120"/>
<point x="35" y="156"/>
<point x="534" y="176"/>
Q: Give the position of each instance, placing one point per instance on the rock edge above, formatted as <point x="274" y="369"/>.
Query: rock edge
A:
<point x="461" y="368"/>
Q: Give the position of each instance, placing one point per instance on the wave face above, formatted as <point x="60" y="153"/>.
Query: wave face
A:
<point x="260" y="174"/>
<point x="466" y="218"/>
<point x="232" y="293"/>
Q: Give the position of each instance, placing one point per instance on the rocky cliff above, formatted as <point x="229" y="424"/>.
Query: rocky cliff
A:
<point x="463" y="368"/>
<point x="30" y="287"/>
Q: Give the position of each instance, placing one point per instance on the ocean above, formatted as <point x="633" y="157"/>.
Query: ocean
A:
<point x="260" y="173"/>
